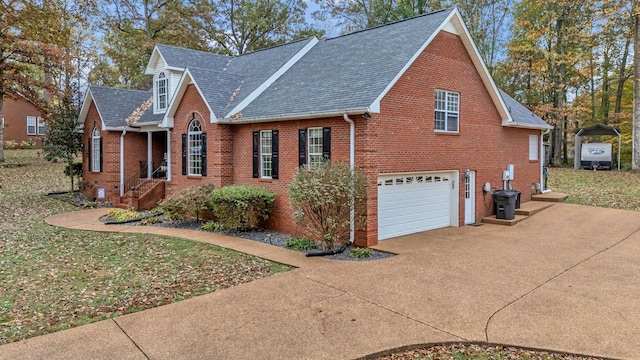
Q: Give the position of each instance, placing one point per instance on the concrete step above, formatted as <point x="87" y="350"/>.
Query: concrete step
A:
<point x="493" y="220"/>
<point x="531" y="207"/>
<point x="550" y="197"/>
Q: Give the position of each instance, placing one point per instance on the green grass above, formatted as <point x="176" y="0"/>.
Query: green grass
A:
<point x="610" y="189"/>
<point x="54" y="278"/>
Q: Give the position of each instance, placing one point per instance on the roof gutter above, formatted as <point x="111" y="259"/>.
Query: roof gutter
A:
<point x="299" y="116"/>
<point x="527" y="126"/>
<point x="352" y="161"/>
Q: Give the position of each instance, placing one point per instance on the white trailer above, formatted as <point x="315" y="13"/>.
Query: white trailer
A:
<point x="596" y="156"/>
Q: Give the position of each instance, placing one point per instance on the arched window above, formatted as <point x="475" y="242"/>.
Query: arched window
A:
<point x="161" y="92"/>
<point x="194" y="144"/>
<point x="96" y="150"/>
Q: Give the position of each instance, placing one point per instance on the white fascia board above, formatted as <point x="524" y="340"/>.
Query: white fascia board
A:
<point x="376" y="102"/>
<point x="472" y="49"/>
<point x="84" y="110"/>
<point x="275" y="76"/>
<point x="527" y="126"/>
<point x="120" y="128"/>
<point x="299" y="116"/>
<point x="150" y="69"/>
<point x="185" y="80"/>
<point x="455" y="25"/>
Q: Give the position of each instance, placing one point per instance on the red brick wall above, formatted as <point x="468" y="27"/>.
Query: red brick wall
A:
<point x="135" y="150"/>
<point x="402" y="138"/>
<point x="15" y="123"/>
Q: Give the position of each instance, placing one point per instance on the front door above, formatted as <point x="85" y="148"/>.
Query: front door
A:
<point x="470" y="198"/>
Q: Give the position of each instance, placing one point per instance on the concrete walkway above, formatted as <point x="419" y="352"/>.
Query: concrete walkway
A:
<point x="564" y="279"/>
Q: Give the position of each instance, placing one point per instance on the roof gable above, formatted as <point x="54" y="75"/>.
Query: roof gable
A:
<point x="521" y="116"/>
<point x="114" y="106"/>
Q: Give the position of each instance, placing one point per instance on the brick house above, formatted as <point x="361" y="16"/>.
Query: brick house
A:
<point x="22" y="124"/>
<point x="411" y="103"/>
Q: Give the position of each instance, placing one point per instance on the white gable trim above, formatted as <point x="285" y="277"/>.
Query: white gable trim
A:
<point x="454" y="24"/>
<point x="275" y="76"/>
<point x="185" y="80"/>
<point x="155" y="55"/>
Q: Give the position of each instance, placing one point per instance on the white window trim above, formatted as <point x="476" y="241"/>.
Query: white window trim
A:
<point x="32" y="123"/>
<point x="41" y="126"/>
<point x="264" y="155"/>
<point x="533" y="147"/>
<point x="95" y="150"/>
<point x="446" y="111"/>
<point x="317" y="154"/>
<point x="194" y="152"/>
<point x="162" y="78"/>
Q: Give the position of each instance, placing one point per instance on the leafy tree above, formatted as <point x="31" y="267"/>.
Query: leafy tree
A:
<point x="322" y="198"/>
<point x="635" y="162"/>
<point x="29" y="57"/>
<point x="63" y="141"/>
<point x="236" y="27"/>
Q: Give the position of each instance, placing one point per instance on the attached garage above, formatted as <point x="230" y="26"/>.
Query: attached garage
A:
<point x="410" y="203"/>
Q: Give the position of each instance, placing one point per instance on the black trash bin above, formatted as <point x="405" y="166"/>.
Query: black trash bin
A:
<point x="505" y="204"/>
<point x="518" y="193"/>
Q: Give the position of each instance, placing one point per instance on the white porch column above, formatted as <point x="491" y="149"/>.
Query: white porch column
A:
<point x="168" y="155"/>
<point x="149" y="155"/>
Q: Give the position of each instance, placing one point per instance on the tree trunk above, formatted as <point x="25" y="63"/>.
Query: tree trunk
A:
<point x="622" y="77"/>
<point x="635" y="162"/>
<point x="1" y="110"/>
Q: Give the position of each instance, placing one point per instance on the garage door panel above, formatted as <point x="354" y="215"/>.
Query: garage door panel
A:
<point x="413" y="203"/>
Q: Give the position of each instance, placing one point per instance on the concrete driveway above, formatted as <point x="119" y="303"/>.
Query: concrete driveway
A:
<point x="566" y="279"/>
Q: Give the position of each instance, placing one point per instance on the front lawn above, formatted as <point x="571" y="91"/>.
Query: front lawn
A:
<point x="611" y="189"/>
<point x="54" y="278"/>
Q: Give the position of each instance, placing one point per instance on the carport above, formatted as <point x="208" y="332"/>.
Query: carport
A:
<point x="596" y="129"/>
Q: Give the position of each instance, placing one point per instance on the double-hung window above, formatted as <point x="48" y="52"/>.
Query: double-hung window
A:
<point x="41" y="126"/>
<point x="161" y="92"/>
<point x="447" y="111"/>
<point x="96" y="150"/>
<point x="31" y="125"/>
<point x="265" y="154"/>
<point x="266" y="159"/>
<point x="195" y="148"/>
<point x="314" y="146"/>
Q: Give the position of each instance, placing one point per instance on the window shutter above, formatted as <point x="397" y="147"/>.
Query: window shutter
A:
<point x="203" y="152"/>
<point x="274" y="154"/>
<point x="302" y="147"/>
<point x="101" y="151"/>
<point x="326" y="143"/>
<point x="89" y="155"/>
<point x="184" y="154"/>
<point x="256" y="154"/>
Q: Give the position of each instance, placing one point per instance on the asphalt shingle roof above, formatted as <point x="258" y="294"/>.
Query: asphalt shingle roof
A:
<point x="183" y="58"/>
<point x="115" y="105"/>
<point x="520" y="114"/>
<point x="347" y="72"/>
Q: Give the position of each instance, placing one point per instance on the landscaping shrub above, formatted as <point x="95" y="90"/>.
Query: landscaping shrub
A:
<point x="360" y="253"/>
<point x="190" y="201"/>
<point x="300" y="244"/>
<point x="322" y="198"/>
<point x="213" y="226"/>
<point x="241" y="207"/>
<point x="124" y="214"/>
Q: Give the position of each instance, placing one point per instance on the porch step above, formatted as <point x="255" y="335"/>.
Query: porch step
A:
<point x="531" y="207"/>
<point x="526" y="209"/>
<point x="550" y="197"/>
<point x="493" y="220"/>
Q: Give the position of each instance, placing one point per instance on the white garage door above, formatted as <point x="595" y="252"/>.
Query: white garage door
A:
<point x="411" y="203"/>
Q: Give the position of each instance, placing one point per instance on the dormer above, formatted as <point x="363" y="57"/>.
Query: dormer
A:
<point x="165" y="80"/>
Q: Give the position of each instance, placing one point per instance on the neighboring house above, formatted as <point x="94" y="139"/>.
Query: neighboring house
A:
<point x="411" y="103"/>
<point x="23" y="124"/>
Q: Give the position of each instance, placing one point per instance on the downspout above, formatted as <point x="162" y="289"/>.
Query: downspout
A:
<point x="124" y="132"/>
<point x="352" y="162"/>
<point x="149" y="155"/>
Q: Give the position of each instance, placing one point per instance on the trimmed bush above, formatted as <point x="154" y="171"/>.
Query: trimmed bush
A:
<point x="241" y="207"/>
<point x="190" y="201"/>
